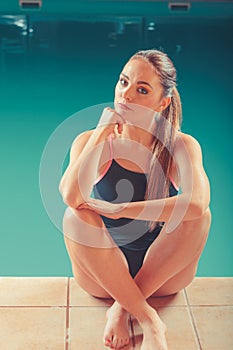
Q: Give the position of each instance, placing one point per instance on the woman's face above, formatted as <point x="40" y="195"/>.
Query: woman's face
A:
<point x="139" y="84"/>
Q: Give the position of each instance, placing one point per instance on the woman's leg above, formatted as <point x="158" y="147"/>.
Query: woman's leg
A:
<point x="171" y="261"/>
<point x="84" y="279"/>
<point x="181" y="279"/>
<point x="108" y="269"/>
<point x="117" y="328"/>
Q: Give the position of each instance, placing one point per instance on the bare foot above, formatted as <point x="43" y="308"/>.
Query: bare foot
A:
<point x="154" y="334"/>
<point x="116" y="333"/>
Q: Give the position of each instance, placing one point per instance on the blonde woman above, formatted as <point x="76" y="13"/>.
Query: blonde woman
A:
<point x="143" y="229"/>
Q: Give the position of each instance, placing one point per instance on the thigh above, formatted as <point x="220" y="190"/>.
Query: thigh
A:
<point x="171" y="261"/>
<point x="83" y="278"/>
<point x="182" y="245"/>
<point x="88" y="284"/>
<point x="182" y="279"/>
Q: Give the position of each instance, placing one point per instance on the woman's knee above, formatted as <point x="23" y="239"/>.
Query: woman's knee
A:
<point x="195" y="234"/>
<point x="206" y="217"/>
<point x="82" y="217"/>
<point x="200" y="224"/>
<point x="86" y="227"/>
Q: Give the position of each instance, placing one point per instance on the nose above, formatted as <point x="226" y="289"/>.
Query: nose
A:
<point x="127" y="94"/>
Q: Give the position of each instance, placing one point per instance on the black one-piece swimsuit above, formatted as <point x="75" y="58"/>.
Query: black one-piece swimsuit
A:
<point x="120" y="185"/>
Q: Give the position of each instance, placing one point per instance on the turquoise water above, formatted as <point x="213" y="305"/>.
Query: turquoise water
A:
<point x="49" y="70"/>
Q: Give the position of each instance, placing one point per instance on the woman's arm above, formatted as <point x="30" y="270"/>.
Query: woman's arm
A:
<point x="190" y="204"/>
<point x="69" y="184"/>
<point x="78" y="179"/>
<point x="195" y="196"/>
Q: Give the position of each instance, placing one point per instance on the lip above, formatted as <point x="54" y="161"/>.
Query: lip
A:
<point x="124" y="106"/>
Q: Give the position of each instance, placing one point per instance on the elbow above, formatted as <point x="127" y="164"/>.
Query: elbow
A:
<point x="72" y="201"/>
<point x="198" y="208"/>
<point x="70" y="198"/>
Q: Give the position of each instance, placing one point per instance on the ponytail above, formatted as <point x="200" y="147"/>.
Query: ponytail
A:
<point x="158" y="180"/>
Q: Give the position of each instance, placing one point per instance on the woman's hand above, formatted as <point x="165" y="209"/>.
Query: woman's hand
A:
<point x="110" y="210"/>
<point x="109" y="120"/>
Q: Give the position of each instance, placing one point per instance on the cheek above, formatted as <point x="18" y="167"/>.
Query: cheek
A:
<point x="155" y="101"/>
<point x="117" y="91"/>
<point x="150" y="103"/>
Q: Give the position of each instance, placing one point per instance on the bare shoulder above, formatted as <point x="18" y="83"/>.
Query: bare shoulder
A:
<point x="187" y="140"/>
<point x="186" y="143"/>
<point x="79" y="143"/>
<point x="82" y="138"/>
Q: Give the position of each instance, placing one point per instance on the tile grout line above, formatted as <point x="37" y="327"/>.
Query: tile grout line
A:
<point x="67" y="334"/>
<point x="192" y="321"/>
<point x="33" y="306"/>
<point x="132" y="331"/>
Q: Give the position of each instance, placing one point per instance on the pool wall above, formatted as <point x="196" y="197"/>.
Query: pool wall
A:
<point x="58" y="61"/>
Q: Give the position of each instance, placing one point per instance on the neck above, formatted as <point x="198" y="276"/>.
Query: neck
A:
<point x="137" y="134"/>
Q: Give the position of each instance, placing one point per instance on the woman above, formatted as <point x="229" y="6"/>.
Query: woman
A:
<point x="138" y="237"/>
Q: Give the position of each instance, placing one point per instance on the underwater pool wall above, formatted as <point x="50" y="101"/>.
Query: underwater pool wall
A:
<point x="61" y="59"/>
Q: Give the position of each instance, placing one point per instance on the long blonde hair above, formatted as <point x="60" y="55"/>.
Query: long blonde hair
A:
<point x="161" y="160"/>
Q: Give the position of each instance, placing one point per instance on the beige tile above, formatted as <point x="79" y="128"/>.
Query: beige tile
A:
<point x="180" y="334"/>
<point x="32" y="328"/>
<point x="33" y="291"/>
<point x="78" y="297"/>
<point x="210" y="291"/>
<point x="87" y="327"/>
<point x="171" y="300"/>
<point x="214" y="326"/>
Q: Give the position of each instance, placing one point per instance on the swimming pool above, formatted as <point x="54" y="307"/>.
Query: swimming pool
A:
<point x="50" y="70"/>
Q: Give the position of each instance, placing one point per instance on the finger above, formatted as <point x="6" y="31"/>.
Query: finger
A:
<point x="83" y="206"/>
<point x="116" y="114"/>
<point x="123" y="121"/>
<point x="92" y="206"/>
<point x="120" y="127"/>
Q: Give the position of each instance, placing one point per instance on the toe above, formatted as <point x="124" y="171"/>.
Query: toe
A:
<point x="107" y="342"/>
<point x="126" y="342"/>
<point x="114" y="343"/>
<point x="120" y="344"/>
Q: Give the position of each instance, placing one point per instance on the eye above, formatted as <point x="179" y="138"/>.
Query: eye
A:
<point x="123" y="82"/>
<point x="142" y="90"/>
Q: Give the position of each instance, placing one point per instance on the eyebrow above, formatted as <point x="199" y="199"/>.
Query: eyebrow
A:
<point x="139" y="82"/>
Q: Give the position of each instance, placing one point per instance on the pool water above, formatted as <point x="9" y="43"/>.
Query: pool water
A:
<point x="49" y="70"/>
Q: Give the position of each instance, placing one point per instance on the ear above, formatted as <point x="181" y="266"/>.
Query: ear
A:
<point x="165" y="102"/>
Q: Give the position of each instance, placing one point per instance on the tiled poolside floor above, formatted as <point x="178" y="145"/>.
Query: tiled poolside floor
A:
<point x="55" y="314"/>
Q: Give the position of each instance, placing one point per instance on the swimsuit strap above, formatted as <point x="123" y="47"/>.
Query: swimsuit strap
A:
<point x="110" y="162"/>
<point x="110" y="144"/>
